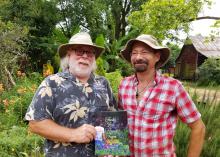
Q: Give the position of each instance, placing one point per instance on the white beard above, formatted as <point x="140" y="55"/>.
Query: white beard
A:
<point x="77" y="70"/>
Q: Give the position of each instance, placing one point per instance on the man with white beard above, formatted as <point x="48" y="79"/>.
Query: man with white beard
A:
<point x="60" y="108"/>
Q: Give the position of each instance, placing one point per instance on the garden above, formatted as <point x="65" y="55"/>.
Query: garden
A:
<point x="31" y="31"/>
<point x="17" y="141"/>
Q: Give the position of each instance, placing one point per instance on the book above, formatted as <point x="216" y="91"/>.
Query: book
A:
<point x="111" y="133"/>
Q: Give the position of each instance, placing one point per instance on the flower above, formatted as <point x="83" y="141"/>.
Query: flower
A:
<point x="21" y="90"/>
<point x="5" y="102"/>
<point x="19" y="73"/>
<point x="1" y="87"/>
<point x="23" y="74"/>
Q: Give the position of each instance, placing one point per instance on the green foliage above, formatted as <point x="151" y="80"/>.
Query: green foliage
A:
<point x="114" y="79"/>
<point x="40" y="17"/>
<point x="14" y="137"/>
<point x="165" y="18"/>
<point x="209" y="72"/>
<point x="101" y="63"/>
<point x="17" y="100"/>
<point x="12" y="38"/>
<point x="16" y="142"/>
<point x="7" y="120"/>
<point x="100" y="40"/>
<point x="174" y="52"/>
<point x="113" y="52"/>
<point x="100" y="67"/>
<point x="210" y="116"/>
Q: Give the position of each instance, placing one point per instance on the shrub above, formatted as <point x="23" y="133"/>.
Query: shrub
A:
<point x="12" y="43"/>
<point x="114" y="79"/>
<point x="16" y="100"/>
<point x="16" y="141"/>
<point x="100" y="67"/>
<point x="209" y="72"/>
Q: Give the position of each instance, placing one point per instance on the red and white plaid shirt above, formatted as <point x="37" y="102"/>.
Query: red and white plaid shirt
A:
<point x="152" y="122"/>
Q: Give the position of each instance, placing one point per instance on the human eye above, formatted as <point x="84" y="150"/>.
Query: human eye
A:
<point x="87" y="52"/>
<point x="78" y="52"/>
<point x="144" y="52"/>
<point x="134" y="53"/>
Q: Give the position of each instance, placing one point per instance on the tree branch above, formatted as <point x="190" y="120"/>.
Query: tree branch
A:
<point x="206" y="17"/>
<point x="10" y="77"/>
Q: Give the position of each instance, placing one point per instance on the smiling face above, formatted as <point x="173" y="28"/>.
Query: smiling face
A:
<point x="81" y="61"/>
<point x="143" y="57"/>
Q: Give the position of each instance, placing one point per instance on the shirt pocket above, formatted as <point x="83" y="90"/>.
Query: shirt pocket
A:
<point x="150" y="125"/>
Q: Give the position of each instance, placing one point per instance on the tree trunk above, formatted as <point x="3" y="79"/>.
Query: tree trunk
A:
<point x="11" y="80"/>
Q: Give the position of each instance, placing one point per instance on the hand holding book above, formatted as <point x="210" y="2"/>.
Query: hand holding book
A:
<point x="111" y="133"/>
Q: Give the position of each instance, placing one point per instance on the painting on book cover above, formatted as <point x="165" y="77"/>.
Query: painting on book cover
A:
<point x="111" y="132"/>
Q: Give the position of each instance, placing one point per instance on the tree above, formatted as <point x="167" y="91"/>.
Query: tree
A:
<point x="175" y="51"/>
<point x="40" y="16"/>
<point x="209" y="72"/>
<point x="12" y="43"/>
<point x="107" y="17"/>
<point x="163" y="18"/>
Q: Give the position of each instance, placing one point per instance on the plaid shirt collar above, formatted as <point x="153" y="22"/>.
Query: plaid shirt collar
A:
<point x="157" y="79"/>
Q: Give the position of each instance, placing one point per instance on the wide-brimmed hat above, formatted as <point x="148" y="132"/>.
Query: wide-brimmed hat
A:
<point x="150" y="41"/>
<point x="78" y="39"/>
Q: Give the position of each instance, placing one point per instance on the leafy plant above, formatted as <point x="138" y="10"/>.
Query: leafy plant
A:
<point x="211" y="115"/>
<point x="12" y="37"/>
<point x="16" y="100"/>
<point x="209" y="72"/>
<point x="114" y="79"/>
<point x="17" y="142"/>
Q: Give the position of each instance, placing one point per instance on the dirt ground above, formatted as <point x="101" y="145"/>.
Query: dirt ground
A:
<point x="204" y="95"/>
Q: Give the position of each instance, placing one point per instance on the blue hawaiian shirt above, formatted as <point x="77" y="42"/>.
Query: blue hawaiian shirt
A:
<point x="62" y="98"/>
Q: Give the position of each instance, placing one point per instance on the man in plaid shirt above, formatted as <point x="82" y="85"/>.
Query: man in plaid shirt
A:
<point x="154" y="103"/>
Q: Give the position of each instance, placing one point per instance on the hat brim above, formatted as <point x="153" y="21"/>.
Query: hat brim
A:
<point x="164" y="51"/>
<point x="62" y="50"/>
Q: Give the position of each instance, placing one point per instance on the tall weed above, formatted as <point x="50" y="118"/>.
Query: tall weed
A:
<point x="210" y="111"/>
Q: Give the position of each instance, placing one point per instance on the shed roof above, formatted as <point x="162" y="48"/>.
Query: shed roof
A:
<point x="206" y="46"/>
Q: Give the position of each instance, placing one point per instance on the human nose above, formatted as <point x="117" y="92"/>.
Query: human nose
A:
<point x="138" y="55"/>
<point x="85" y="54"/>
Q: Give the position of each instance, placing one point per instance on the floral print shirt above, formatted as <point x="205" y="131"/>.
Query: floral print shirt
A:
<point x="62" y="98"/>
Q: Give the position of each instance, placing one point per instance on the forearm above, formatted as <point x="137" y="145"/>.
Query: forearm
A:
<point x="50" y="130"/>
<point x="196" y="140"/>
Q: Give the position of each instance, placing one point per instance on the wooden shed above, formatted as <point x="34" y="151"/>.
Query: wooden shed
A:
<point x="196" y="50"/>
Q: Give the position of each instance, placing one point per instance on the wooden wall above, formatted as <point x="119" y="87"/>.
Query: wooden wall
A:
<point x="186" y="63"/>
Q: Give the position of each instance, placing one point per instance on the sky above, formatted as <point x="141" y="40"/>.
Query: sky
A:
<point x="203" y="26"/>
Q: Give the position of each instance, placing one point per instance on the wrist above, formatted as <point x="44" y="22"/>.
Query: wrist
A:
<point x="72" y="135"/>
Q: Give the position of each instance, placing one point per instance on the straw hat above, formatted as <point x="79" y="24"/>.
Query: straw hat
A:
<point x="150" y="41"/>
<point x="81" y="38"/>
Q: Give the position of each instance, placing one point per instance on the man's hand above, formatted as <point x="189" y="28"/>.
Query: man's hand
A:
<point x="83" y="134"/>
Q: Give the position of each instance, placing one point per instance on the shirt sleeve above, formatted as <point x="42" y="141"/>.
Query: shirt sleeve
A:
<point x="41" y="106"/>
<point x="186" y="109"/>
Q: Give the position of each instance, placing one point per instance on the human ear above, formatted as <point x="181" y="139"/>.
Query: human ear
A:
<point x="157" y="55"/>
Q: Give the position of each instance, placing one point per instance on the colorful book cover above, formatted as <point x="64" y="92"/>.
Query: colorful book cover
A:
<point x="111" y="133"/>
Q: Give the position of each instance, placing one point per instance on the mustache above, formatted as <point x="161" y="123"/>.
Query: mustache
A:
<point x="140" y="61"/>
